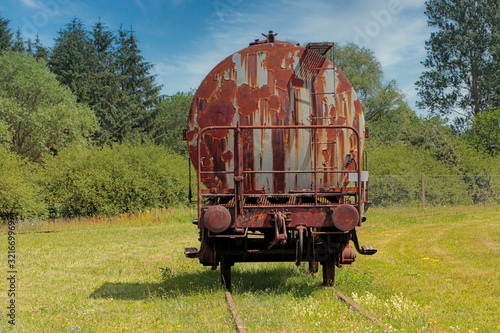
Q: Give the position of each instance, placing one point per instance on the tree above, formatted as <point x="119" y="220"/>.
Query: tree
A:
<point x="484" y="132"/>
<point x="432" y="134"/>
<point x="38" y="115"/>
<point x="104" y="87"/>
<point x="72" y="59"/>
<point x="385" y="107"/>
<point x="134" y="72"/>
<point x="40" y="52"/>
<point x="463" y="69"/>
<point x="18" y="45"/>
<point x="138" y="90"/>
<point x="361" y="67"/>
<point x="169" y="119"/>
<point x="5" y="35"/>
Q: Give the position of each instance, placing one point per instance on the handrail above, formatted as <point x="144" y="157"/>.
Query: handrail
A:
<point x="277" y="127"/>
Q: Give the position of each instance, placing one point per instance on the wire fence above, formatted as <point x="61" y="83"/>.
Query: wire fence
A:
<point x="432" y="190"/>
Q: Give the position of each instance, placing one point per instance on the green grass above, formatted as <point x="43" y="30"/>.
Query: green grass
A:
<point x="436" y="271"/>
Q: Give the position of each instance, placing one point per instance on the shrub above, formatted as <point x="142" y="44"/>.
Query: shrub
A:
<point x="114" y="179"/>
<point x="395" y="177"/>
<point x="20" y="196"/>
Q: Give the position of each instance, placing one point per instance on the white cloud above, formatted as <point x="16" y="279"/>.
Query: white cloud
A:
<point x="139" y="4"/>
<point x="30" y="3"/>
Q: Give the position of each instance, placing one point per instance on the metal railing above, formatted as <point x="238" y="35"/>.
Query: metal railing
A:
<point x="239" y="173"/>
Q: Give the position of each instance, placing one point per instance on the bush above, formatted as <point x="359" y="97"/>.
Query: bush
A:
<point x="396" y="177"/>
<point x="114" y="179"/>
<point x="20" y="196"/>
<point x="481" y="174"/>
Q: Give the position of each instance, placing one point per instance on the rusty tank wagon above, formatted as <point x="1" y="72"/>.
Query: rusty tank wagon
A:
<point x="276" y="135"/>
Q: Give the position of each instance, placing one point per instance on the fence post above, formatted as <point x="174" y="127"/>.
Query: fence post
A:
<point x="423" y="192"/>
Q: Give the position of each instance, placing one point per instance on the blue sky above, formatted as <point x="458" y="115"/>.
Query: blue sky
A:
<point x="185" y="39"/>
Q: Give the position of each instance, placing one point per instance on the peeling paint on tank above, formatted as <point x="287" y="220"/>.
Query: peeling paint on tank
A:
<point x="273" y="84"/>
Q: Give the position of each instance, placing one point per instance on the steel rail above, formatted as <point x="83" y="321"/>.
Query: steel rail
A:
<point x="359" y="309"/>
<point x="236" y="316"/>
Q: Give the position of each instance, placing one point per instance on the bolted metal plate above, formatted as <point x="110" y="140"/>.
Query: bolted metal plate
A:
<point x="345" y="217"/>
<point x="217" y="219"/>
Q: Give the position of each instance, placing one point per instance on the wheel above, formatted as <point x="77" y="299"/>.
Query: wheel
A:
<point x="328" y="272"/>
<point x="313" y="267"/>
<point x="225" y="275"/>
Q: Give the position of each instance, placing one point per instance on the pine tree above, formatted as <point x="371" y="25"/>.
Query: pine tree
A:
<point x="135" y="72"/>
<point x="136" y="83"/>
<point x="108" y="100"/>
<point x="29" y="48"/>
<point x="18" y="45"/>
<point x="40" y="51"/>
<point x="72" y="59"/>
<point x="5" y="35"/>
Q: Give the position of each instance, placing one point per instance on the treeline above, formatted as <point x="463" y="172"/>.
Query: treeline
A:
<point x="105" y="72"/>
<point x="84" y="129"/>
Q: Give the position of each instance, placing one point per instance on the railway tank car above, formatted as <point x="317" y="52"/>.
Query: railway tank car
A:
<point x="276" y="134"/>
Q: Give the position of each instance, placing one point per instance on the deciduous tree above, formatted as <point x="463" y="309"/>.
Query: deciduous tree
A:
<point x="169" y="119"/>
<point x="38" y="115"/>
<point x="463" y="68"/>
<point x="385" y="106"/>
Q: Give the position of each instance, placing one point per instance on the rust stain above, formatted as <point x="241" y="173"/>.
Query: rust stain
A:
<point x="273" y="84"/>
<point x="248" y="98"/>
<point x="227" y="156"/>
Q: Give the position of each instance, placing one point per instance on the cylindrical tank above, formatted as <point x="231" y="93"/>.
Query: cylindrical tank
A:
<point x="268" y="84"/>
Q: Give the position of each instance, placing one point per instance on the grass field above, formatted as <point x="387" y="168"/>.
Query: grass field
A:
<point x="436" y="271"/>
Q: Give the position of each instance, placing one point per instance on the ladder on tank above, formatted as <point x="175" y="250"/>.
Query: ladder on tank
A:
<point x="321" y="49"/>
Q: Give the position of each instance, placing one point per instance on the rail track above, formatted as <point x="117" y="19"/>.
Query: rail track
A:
<point x="241" y="328"/>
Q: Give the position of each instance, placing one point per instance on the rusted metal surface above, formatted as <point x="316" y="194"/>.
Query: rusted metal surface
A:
<point x="345" y="217"/>
<point x="274" y="84"/>
<point x="217" y="219"/>
<point x="348" y="256"/>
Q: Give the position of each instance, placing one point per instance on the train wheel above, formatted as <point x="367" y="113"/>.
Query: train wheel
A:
<point x="225" y="275"/>
<point x="328" y="272"/>
<point x="313" y="267"/>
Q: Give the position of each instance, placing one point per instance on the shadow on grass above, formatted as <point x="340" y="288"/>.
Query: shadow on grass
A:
<point x="275" y="280"/>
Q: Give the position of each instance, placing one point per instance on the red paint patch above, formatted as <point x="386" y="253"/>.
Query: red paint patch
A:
<point x="227" y="156"/>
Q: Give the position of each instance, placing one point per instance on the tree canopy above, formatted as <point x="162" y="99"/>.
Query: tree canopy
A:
<point x="463" y="58"/>
<point x="37" y="113"/>
<point x="109" y="74"/>
<point x="169" y="119"/>
<point x="386" y="109"/>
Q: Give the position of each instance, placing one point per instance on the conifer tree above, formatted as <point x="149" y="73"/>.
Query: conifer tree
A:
<point x="18" y="45"/>
<point x="5" y="35"/>
<point x="110" y="103"/>
<point x="39" y="51"/>
<point x="72" y="59"/>
<point x="136" y="83"/>
<point x="135" y="72"/>
<point x="29" y="48"/>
